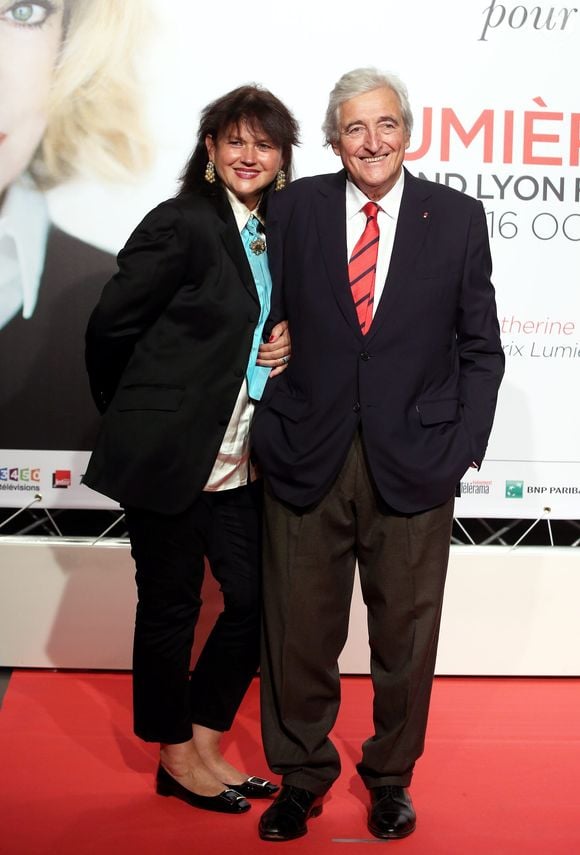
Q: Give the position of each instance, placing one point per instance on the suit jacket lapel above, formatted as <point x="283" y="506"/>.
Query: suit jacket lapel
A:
<point x="330" y="210"/>
<point x="231" y="239"/>
<point x="412" y="226"/>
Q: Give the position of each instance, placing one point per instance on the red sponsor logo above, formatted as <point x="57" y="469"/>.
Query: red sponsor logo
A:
<point x="61" y="479"/>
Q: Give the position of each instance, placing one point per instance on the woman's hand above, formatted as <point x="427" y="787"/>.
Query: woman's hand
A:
<point x="276" y="353"/>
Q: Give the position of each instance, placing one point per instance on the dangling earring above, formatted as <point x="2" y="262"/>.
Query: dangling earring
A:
<point x="280" y="180"/>
<point x="210" y="172"/>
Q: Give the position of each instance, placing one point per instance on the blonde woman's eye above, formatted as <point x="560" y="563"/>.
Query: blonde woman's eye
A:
<point x="28" y="14"/>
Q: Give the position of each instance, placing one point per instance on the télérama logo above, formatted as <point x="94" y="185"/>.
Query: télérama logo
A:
<point x="514" y="489"/>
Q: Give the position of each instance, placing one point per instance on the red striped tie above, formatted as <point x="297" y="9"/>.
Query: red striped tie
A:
<point x="362" y="268"/>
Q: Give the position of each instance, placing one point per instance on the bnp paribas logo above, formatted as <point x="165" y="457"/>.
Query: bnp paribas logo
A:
<point x="514" y="489"/>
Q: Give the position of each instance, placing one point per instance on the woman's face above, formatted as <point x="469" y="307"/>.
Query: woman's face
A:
<point x="246" y="161"/>
<point x="30" y="37"/>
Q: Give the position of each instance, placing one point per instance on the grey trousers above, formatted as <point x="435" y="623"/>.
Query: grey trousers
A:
<point x="309" y="564"/>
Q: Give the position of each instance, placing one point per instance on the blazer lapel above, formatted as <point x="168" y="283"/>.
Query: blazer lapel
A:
<point x="330" y="210"/>
<point x="413" y="223"/>
<point x="232" y="241"/>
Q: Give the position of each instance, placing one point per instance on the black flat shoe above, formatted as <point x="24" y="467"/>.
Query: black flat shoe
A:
<point x="255" y="788"/>
<point x="227" y="802"/>
<point x="286" y="818"/>
<point x="391" y="814"/>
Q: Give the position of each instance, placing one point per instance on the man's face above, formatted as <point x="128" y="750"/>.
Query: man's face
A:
<point x="372" y="141"/>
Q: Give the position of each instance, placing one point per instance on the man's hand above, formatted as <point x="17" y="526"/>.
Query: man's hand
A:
<point x="276" y="353"/>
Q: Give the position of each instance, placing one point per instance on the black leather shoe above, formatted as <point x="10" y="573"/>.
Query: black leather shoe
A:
<point x="226" y="802"/>
<point x="391" y="814"/>
<point x="255" y="788"/>
<point x="286" y="818"/>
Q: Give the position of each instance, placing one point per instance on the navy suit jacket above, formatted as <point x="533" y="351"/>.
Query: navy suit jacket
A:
<point x="422" y="384"/>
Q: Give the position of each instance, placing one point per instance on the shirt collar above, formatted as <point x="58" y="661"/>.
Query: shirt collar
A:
<point x="24" y="218"/>
<point x="390" y="203"/>
<point x="241" y="212"/>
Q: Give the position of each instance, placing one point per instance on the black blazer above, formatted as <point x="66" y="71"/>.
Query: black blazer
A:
<point x="45" y="402"/>
<point x="167" y="351"/>
<point x="422" y="384"/>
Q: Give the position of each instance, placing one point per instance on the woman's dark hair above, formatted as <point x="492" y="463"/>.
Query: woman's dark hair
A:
<point x="261" y="110"/>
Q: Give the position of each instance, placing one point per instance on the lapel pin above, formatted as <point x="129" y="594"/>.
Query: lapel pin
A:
<point x="425" y="215"/>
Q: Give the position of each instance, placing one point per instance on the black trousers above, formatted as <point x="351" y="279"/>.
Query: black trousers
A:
<point x="309" y="566"/>
<point x="169" y="554"/>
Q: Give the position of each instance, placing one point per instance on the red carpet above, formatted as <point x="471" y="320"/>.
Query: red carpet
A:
<point x="500" y="774"/>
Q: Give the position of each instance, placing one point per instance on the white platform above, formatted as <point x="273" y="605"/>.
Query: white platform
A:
<point x="67" y="604"/>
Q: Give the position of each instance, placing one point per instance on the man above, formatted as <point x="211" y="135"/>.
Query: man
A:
<point x="388" y="399"/>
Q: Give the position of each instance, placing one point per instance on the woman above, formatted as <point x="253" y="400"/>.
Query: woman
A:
<point x="171" y="355"/>
<point x="68" y="105"/>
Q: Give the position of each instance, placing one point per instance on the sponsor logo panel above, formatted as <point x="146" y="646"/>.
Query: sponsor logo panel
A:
<point x="20" y="478"/>
<point x="61" y="479"/>
<point x="514" y="489"/>
<point x="477" y="488"/>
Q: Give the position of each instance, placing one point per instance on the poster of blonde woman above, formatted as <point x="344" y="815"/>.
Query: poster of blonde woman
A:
<point x="69" y="106"/>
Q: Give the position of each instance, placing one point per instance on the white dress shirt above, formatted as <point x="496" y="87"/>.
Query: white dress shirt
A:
<point x="388" y="214"/>
<point x="24" y="225"/>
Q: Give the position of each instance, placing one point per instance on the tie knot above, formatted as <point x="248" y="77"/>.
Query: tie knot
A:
<point x="252" y="225"/>
<point x="370" y="210"/>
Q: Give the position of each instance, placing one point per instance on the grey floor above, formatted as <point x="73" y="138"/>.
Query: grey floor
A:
<point x="4" y="680"/>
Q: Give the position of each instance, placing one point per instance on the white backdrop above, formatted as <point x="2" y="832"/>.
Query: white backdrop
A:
<point x="497" y="114"/>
